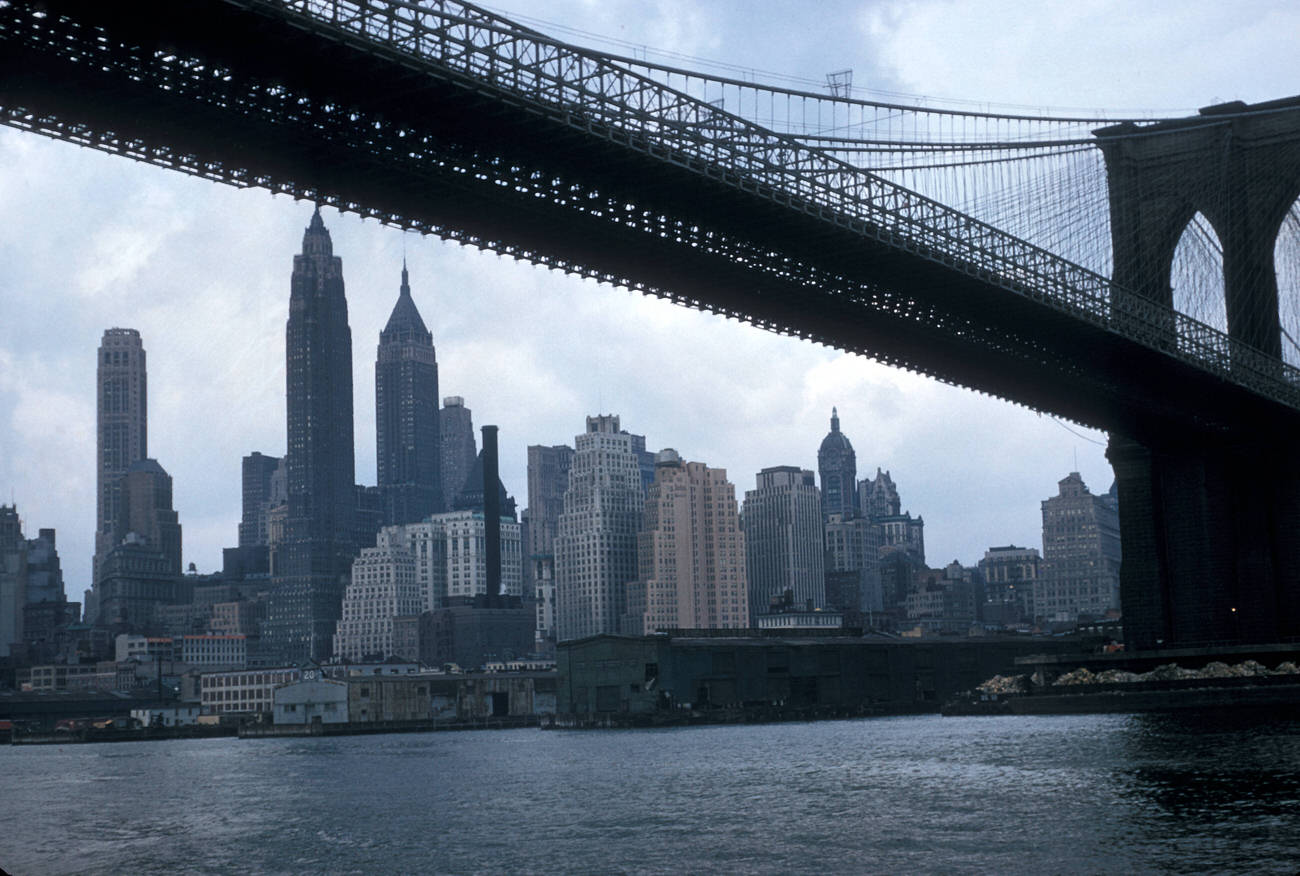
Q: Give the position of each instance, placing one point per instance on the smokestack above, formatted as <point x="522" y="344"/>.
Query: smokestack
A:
<point x="491" y="512"/>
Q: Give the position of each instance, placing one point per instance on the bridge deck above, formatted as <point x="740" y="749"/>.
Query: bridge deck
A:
<point x="245" y="94"/>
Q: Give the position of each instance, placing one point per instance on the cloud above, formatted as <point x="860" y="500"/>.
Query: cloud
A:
<point x="1093" y="54"/>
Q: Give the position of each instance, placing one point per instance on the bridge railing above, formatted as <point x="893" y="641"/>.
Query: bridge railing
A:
<point x="588" y="91"/>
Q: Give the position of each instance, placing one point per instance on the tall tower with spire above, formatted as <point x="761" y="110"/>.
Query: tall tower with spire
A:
<point x="406" y="415"/>
<point x="837" y="465"/>
<point x="319" y="529"/>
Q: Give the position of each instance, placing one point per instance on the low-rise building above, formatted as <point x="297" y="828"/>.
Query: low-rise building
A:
<point x="144" y="648"/>
<point x="213" y="651"/>
<point x="246" y="691"/>
<point x="311" y="700"/>
<point x="379" y="698"/>
<point x="181" y="715"/>
<point x="100" y="676"/>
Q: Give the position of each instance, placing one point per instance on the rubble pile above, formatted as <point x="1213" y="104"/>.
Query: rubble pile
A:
<point x="1003" y="684"/>
<point x="1169" y="672"/>
<point x="1078" y="676"/>
<point x="1174" y="672"/>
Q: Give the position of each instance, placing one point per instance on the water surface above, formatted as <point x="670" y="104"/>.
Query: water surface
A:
<point x="1070" y="794"/>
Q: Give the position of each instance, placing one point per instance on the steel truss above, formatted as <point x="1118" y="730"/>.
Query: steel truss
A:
<point x="468" y="127"/>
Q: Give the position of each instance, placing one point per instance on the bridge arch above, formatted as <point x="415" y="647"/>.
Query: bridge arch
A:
<point x="1196" y="281"/>
<point x="1286" y="263"/>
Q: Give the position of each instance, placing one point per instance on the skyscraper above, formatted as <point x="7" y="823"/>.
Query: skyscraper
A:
<point x="383" y="587"/>
<point x="548" y="478"/>
<point x="122" y="428"/>
<point x="852" y="563"/>
<point x="408" y="441"/>
<point x="258" y="471"/>
<point x="784" y="544"/>
<point x="595" y="544"/>
<point x="315" y="557"/>
<point x="837" y="465"/>
<point x="456" y="428"/>
<point x="1081" y="554"/>
<point x="690" y="552"/>
<point x="146" y="511"/>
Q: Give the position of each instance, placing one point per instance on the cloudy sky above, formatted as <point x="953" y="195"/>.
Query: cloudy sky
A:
<point x="91" y="241"/>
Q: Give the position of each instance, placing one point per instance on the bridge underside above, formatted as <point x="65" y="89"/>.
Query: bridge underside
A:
<point x="213" y="89"/>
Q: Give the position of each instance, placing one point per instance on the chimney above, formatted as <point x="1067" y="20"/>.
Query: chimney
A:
<point x="491" y="512"/>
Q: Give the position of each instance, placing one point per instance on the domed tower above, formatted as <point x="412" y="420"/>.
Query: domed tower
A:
<point x="837" y="466"/>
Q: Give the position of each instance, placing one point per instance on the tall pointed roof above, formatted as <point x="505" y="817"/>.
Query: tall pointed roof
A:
<point x="316" y="239"/>
<point x="405" y="324"/>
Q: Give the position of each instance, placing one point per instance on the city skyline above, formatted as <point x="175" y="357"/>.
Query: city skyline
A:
<point x="198" y="269"/>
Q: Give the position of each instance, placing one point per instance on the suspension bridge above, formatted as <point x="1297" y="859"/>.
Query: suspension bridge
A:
<point x="1136" y="275"/>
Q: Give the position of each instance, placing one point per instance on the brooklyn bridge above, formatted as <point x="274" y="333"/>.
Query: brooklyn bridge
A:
<point x="1031" y="257"/>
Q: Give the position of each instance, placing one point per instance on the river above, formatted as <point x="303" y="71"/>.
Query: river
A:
<point x="1074" y="794"/>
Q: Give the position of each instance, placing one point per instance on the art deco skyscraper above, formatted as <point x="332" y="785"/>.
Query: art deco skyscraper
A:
<point x="319" y="529"/>
<point x="837" y="465"/>
<point x="122" y="428"/>
<point x="409" y="458"/>
<point x="595" y="544"/>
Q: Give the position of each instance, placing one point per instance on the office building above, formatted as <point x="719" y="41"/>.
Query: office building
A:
<point x="458" y="450"/>
<point x="1010" y="574"/>
<point x="596" y="538"/>
<point x="784" y="541"/>
<point x="852" y="563"/>
<point x="257" y="480"/>
<point x="408" y="440"/>
<point x="548" y="478"/>
<point x="690" y="551"/>
<point x="383" y="587"/>
<point x="121" y="428"/>
<point x="1079" y="575"/>
<point x="315" y="556"/>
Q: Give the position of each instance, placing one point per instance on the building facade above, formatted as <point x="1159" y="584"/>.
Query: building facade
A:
<point x="548" y="478"/>
<point x="852" y="563"/>
<point x="449" y="551"/>
<point x="32" y="598"/>
<point x="315" y="556"/>
<point x="122" y="417"/>
<point x="383" y="587"/>
<point x="690" y="551"/>
<point x="246" y="691"/>
<point x="879" y="496"/>
<point x="1010" y="574"/>
<point x="596" y="538"/>
<point x="212" y="651"/>
<point x="457" y="447"/>
<point x="257" y="474"/>
<point x="1079" y="576"/>
<point x="408" y="442"/>
<point x="784" y="542"/>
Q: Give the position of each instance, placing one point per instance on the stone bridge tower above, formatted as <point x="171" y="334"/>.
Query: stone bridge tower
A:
<point x="1210" y="523"/>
